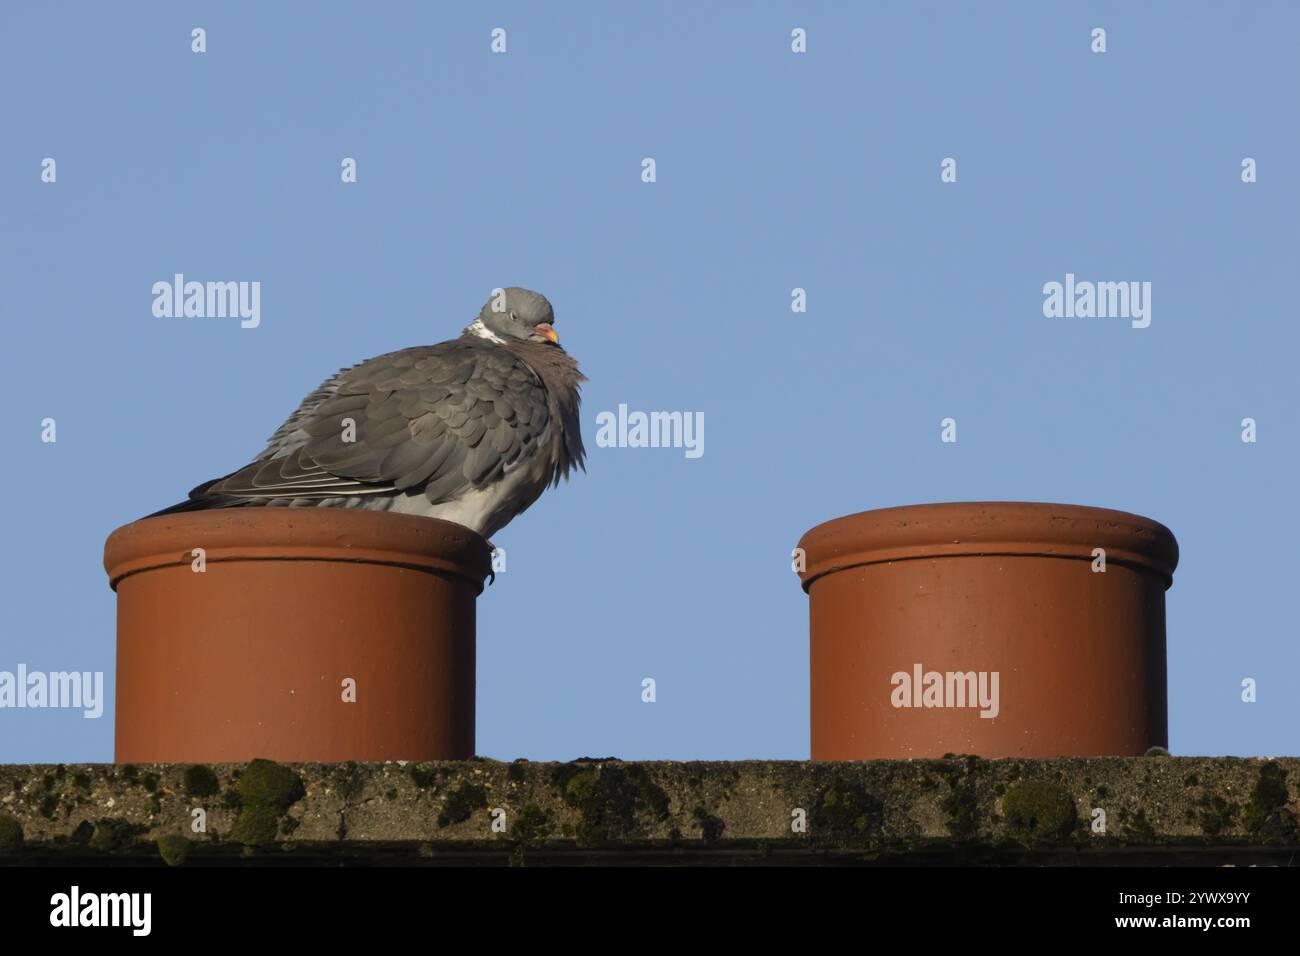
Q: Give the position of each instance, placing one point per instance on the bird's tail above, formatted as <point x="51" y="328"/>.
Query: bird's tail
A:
<point x="199" y="501"/>
<point x="195" y="505"/>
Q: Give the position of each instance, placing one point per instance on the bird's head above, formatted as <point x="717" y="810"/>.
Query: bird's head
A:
<point x="516" y="315"/>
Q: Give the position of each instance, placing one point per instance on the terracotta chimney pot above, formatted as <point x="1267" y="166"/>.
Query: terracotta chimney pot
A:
<point x="988" y="628"/>
<point x="313" y="634"/>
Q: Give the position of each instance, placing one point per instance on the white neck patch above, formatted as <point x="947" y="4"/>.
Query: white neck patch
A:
<point x="482" y="331"/>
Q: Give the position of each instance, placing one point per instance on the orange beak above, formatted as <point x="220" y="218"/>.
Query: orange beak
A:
<point x="546" y="332"/>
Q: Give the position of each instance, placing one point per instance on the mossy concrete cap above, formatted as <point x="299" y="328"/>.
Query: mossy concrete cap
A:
<point x="1071" y="811"/>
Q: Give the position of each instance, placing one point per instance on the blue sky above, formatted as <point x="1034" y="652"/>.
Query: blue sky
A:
<point x="774" y="171"/>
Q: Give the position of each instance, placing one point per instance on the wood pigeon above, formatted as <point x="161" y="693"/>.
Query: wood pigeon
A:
<point x="472" y="430"/>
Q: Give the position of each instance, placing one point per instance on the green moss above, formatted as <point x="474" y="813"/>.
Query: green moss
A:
<point x="201" y="781"/>
<point x="81" y="780"/>
<point x="515" y="772"/>
<point x="48" y="805"/>
<point x="347" y="780"/>
<point x="846" y="815"/>
<point x="151" y="781"/>
<point x="265" y="790"/>
<point x="531" y="826"/>
<point x="257" y="825"/>
<point x="267" y="783"/>
<point x="1156" y="752"/>
<point x="1137" y="827"/>
<point x="1266" y="815"/>
<point x="130" y="773"/>
<point x="461" y="804"/>
<point x="1216" y="814"/>
<point x="423" y="777"/>
<point x="82" y="833"/>
<point x="1191" y="780"/>
<point x="711" y="827"/>
<point x="1270" y="791"/>
<point x="614" y="800"/>
<point x="1035" y="812"/>
<point x="112" y="834"/>
<point x="155" y="803"/>
<point x="579" y="785"/>
<point x="47" y="782"/>
<point x="174" y="849"/>
<point x="961" y="803"/>
<point x="11" y="835"/>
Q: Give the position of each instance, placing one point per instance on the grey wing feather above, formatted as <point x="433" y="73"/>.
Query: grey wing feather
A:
<point x="451" y="417"/>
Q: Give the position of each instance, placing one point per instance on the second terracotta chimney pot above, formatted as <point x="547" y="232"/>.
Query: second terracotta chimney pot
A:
<point x="918" y="612"/>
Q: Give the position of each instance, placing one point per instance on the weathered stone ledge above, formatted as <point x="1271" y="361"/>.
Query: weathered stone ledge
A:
<point x="1206" y="810"/>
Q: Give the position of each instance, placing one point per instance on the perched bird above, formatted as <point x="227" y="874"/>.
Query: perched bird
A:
<point x="471" y="430"/>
